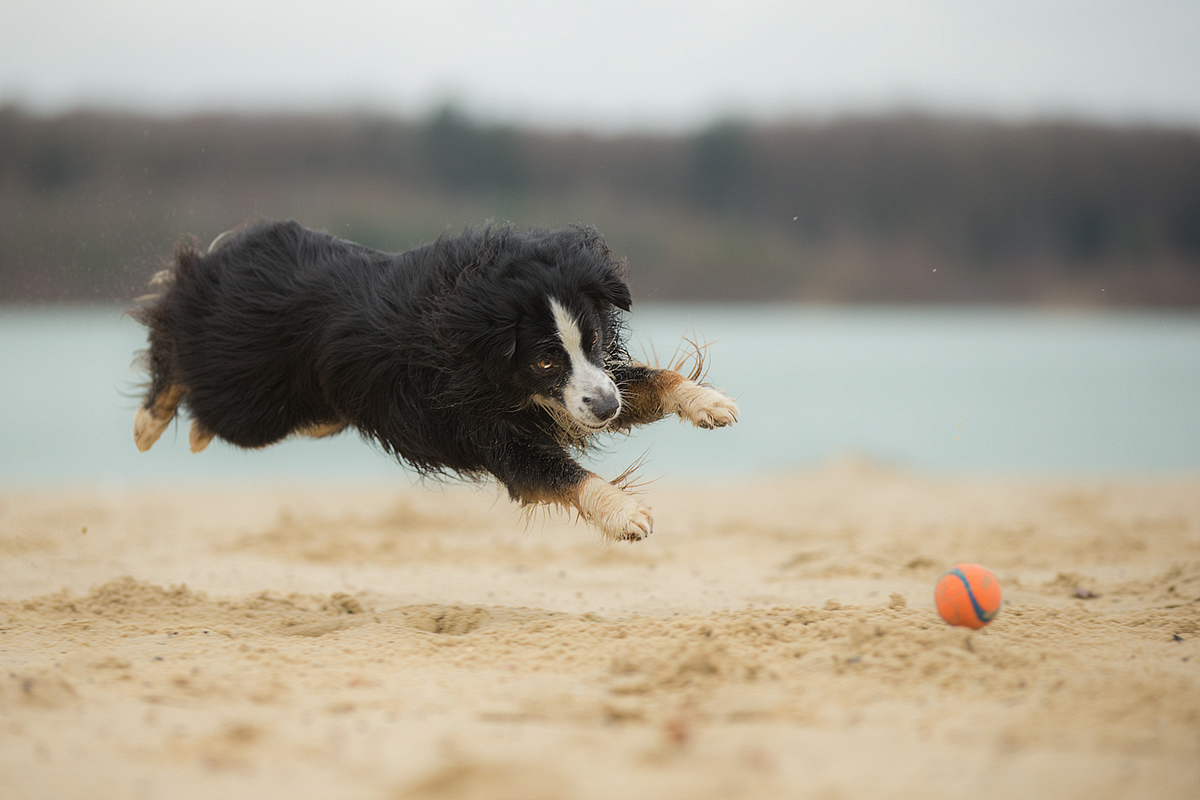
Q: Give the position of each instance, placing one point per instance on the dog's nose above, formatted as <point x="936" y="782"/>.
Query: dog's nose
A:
<point x="605" y="406"/>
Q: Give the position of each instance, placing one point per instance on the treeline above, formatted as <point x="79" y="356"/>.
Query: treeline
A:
<point x="896" y="209"/>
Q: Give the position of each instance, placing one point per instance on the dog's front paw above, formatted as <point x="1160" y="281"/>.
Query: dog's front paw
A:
<point x="619" y="516"/>
<point x="631" y="522"/>
<point x="704" y="407"/>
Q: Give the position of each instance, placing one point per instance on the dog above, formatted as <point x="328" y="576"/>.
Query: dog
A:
<point x="497" y="352"/>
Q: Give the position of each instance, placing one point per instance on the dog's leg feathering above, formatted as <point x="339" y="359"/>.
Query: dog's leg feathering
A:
<point x="535" y="475"/>
<point x="617" y="515"/>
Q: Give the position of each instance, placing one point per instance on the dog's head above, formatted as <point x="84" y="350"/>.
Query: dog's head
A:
<point x="561" y="364"/>
<point x="544" y="324"/>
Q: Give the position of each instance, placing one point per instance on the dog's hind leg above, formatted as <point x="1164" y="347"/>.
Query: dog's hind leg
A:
<point x="199" y="436"/>
<point x="154" y="417"/>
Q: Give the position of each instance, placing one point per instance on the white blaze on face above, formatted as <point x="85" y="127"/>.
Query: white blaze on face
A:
<point x="590" y="395"/>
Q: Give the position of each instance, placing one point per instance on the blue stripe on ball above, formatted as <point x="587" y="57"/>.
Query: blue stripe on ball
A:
<point x="984" y="616"/>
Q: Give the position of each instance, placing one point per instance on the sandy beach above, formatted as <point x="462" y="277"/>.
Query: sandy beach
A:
<point x="771" y="639"/>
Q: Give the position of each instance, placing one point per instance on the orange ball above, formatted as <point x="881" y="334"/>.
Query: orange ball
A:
<point x="968" y="595"/>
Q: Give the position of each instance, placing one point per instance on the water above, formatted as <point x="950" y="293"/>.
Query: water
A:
<point x="962" y="391"/>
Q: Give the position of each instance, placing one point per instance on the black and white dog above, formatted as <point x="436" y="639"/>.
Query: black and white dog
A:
<point x="492" y="352"/>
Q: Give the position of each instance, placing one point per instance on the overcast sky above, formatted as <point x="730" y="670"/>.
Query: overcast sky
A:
<point x="612" y="65"/>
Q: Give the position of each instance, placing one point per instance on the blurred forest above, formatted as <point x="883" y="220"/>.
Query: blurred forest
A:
<point x="905" y="209"/>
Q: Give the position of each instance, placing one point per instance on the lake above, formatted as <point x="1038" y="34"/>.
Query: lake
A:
<point x="945" y="391"/>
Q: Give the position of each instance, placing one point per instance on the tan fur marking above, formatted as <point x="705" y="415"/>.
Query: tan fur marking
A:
<point x="644" y="401"/>
<point x="150" y="421"/>
<point x="321" y="430"/>
<point x="199" y="436"/>
<point x="618" y="516"/>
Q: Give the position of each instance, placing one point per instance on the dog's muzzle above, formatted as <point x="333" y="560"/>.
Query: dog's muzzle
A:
<point x="593" y="399"/>
<point x="604" y="406"/>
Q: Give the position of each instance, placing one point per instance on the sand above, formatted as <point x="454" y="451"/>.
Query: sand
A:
<point x="772" y="639"/>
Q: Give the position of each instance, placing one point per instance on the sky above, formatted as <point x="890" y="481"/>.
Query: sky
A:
<point x="610" y="66"/>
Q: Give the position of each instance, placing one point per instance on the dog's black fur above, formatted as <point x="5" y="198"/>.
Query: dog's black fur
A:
<point x="446" y="355"/>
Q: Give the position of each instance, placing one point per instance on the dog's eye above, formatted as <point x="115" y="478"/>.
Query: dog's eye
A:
<point x="546" y="363"/>
<point x="595" y="339"/>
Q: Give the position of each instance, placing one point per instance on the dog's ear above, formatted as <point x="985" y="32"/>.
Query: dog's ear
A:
<point x="613" y="289"/>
